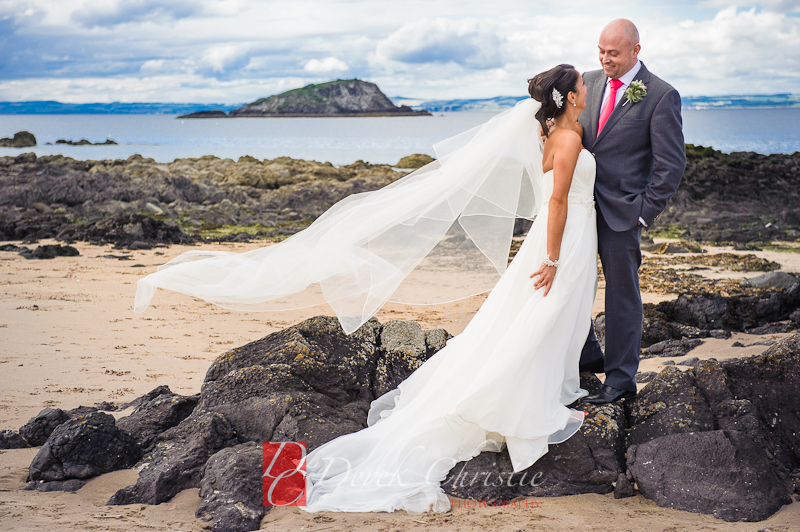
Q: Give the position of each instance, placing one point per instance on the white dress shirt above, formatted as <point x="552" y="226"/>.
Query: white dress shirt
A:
<point x="626" y="81"/>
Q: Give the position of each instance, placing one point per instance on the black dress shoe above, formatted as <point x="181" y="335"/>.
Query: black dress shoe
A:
<point x="595" y="366"/>
<point x="608" y="394"/>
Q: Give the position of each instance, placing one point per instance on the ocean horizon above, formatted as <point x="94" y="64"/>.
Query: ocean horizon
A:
<point x="343" y="140"/>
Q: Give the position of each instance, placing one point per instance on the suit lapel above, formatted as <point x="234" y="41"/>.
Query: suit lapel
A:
<point x="621" y="108"/>
<point x="597" y="102"/>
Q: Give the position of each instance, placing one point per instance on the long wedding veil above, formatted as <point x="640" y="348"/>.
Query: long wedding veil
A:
<point x="439" y="234"/>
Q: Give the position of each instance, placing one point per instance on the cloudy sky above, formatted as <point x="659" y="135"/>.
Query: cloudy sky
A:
<point x="231" y="51"/>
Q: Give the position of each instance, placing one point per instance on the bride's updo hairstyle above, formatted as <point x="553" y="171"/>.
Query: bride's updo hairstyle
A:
<point x="563" y="78"/>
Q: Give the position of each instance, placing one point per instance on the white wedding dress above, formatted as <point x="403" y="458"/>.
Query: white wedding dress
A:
<point x="438" y="234"/>
<point x="506" y="379"/>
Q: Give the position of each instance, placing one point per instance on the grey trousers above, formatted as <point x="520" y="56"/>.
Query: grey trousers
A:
<point x="621" y="257"/>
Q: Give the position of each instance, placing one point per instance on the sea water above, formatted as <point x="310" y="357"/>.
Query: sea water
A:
<point x="379" y="140"/>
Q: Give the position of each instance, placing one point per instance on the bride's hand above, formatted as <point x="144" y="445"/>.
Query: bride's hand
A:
<point x="546" y="275"/>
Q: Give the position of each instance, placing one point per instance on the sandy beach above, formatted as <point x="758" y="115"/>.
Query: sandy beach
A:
<point x="69" y="337"/>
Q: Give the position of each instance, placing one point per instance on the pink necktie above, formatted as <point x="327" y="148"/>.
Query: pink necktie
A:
<point x="609" y="106"/>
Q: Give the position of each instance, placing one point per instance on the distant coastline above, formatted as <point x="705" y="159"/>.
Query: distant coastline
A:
<point x="484" y="105"/>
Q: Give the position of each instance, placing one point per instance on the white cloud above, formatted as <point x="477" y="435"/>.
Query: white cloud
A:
<point x="466" y="42"/>
<point x="82" y="50"/>
<point x="329" y="64"/>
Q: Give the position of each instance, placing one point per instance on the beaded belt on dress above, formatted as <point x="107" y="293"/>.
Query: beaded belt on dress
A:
<point x="586" y="201"/>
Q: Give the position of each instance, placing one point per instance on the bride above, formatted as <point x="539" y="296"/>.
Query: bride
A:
<point x="507" y="379"/>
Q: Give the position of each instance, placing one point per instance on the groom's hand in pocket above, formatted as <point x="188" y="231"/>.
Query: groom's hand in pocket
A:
<point x="546" y="275"/>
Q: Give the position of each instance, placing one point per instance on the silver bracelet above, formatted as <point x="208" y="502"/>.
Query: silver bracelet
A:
<point x="547" y="262"/>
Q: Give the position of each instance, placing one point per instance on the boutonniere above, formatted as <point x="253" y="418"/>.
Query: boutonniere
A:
<point x="635" y="92"/>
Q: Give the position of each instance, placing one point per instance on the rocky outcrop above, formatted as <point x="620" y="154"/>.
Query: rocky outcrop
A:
<point x="22" y="139"/>
<point x="718" y="437"/>
<point x="10" y="439"/>
<point x="741" y="413"/>
<point x="84" y="447"/>
<point x="673" y="328"/>
<point x="85" y="142"/>
<point x="50" y="252"/>
<point x="107" y="201"/>
<point x="177" y="459"/>
<point x="348" y="97"/>
<point x="738" y="197"/>
<point x="214" y="113"/>
<point x="416" y="160"/>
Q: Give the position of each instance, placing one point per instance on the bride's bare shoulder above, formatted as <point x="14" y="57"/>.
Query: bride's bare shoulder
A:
<point x="565" y="139"/>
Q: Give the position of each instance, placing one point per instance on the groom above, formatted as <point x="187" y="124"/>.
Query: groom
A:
<point x="637" y="142"/>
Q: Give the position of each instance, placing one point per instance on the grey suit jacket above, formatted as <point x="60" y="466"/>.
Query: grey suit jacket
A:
<point x="640" y="152"/>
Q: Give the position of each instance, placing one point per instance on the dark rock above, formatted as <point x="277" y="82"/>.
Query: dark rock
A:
<point x="80" y="411"/>
<point x="149" y="396"/>
<point x="22" y="139"/>
<point x="32" y="229"/>
<point x="668" y="404"/>
<point x="215" y="113"/>
<point x="231" y="489"/>
<point x="13" y="248"/>
<point x="645" y="376"/>
<point x="671" y="348"/>
<point x="701" y="315"/>
<point x="72" y="485"/>
<point x="623" y="489"/>
<point x="41" y="426"/>
<point x="772" y="328"/>
<point x="769" y="384"/>
<point x="177" y="459"/>
<point x="132" y="231"/>
<point x="724" y="473"/>
<point x="773" y="279"/>
<point x="688" y="361"/>
<point x="10" y="439"/>
<point x="668" y="363"/>
<point x="85" y="142"/>
<point x="737" y="344"/>
<point x="154" y="417"/>
<point x="588" y="462"/>
<point x="50" y="252"/>
<point x="84" y="447"/>
<point x="106" y="406"/>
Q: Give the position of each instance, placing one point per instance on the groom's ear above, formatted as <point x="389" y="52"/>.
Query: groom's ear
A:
<point x="635" y="50"/>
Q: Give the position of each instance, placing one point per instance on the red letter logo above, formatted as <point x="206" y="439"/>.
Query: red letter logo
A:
<point x="284" y="473"/>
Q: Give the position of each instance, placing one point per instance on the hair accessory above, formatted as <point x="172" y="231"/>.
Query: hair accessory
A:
<point x="558" y="98"/>
<point x="547" y="262"/>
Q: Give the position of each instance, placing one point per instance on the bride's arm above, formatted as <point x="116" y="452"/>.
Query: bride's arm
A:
<point x="566" y="150"/>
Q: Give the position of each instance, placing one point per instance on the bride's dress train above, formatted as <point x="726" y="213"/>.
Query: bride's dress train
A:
<point x="506" y="379"/>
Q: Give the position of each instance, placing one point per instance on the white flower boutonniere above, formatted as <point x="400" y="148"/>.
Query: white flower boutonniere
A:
<point x="635" y="92"/>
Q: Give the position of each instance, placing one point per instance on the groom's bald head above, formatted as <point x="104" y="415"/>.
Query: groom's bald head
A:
<point x="618" y="47"/>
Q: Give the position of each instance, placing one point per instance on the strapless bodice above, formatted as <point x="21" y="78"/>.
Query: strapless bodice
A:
<point x="581" y="190"/>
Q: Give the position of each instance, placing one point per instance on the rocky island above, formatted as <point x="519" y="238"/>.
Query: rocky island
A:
<point x="343" y="97"/>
